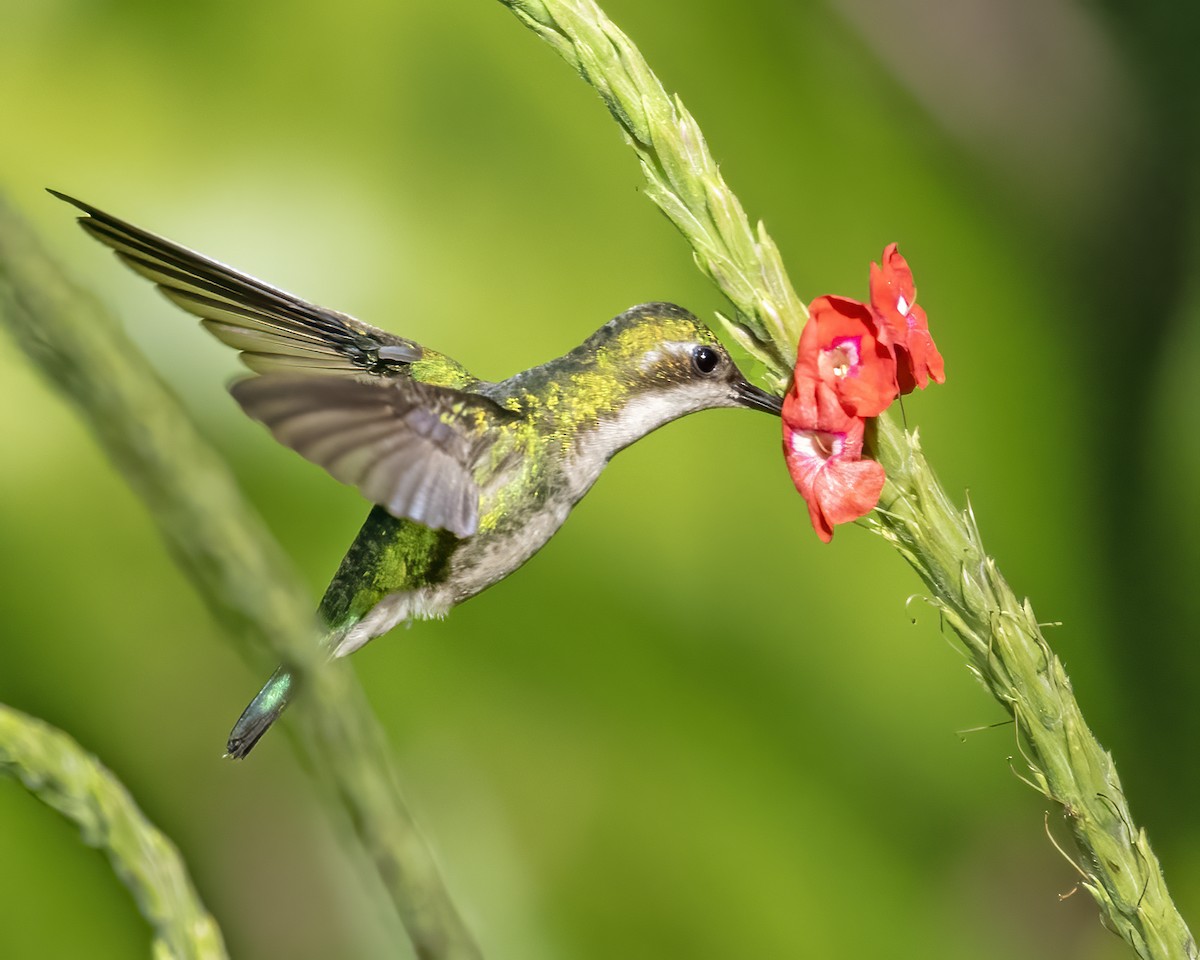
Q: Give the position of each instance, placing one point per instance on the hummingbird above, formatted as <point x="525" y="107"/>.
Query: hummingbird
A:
<point x="468" y="478"/>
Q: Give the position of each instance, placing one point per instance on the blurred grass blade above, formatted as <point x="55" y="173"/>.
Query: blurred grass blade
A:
<point x="232" y="561"/>
<point x="1009" y="653"/>
<point x="66" y="777"/>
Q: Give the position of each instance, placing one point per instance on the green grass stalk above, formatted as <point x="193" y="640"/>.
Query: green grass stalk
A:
<point x="67" y="778"/>
<point x="1006" y="649"/>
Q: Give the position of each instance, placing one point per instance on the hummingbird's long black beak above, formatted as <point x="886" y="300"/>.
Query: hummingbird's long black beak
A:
<point x="758" y="399"/>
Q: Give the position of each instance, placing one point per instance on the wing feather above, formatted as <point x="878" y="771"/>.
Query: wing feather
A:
<point x="409" y="447"/>
<point x="274" y="329"/>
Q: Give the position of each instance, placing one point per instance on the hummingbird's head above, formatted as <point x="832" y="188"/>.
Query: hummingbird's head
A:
<point x="653" y="364"/>
<point x="663" y="352"/>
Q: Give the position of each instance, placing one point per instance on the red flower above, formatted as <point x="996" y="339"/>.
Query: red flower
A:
<point x="902" y="324"/>
<point x="824" y="458"/>
<point x="840" y="348"/>
<point x="852" y="361"/>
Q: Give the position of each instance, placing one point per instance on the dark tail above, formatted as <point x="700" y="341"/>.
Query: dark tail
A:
<point x="263" y="711"/>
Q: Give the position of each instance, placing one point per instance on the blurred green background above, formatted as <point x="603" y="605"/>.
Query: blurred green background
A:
<point x="686" y="728"/>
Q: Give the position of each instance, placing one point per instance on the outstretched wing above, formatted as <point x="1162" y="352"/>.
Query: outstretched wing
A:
<point x="273" y="329"/>
<point x="409" y="447"/>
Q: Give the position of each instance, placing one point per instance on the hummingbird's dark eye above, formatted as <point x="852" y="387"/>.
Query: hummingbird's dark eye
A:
<point x="705" y="359"/>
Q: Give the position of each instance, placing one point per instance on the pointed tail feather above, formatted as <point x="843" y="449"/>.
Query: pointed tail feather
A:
<point x="263" y="711"/>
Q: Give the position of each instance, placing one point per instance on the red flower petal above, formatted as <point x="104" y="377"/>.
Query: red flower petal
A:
<point x="813" y="405"/>
<point x="892" y="295"/>
<point x="839" y="347"/>
<point x="919" y="361"/>
<point x="847" y="490"/>
<point x="902" y="324"/>
<point x="825" y="466"/>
